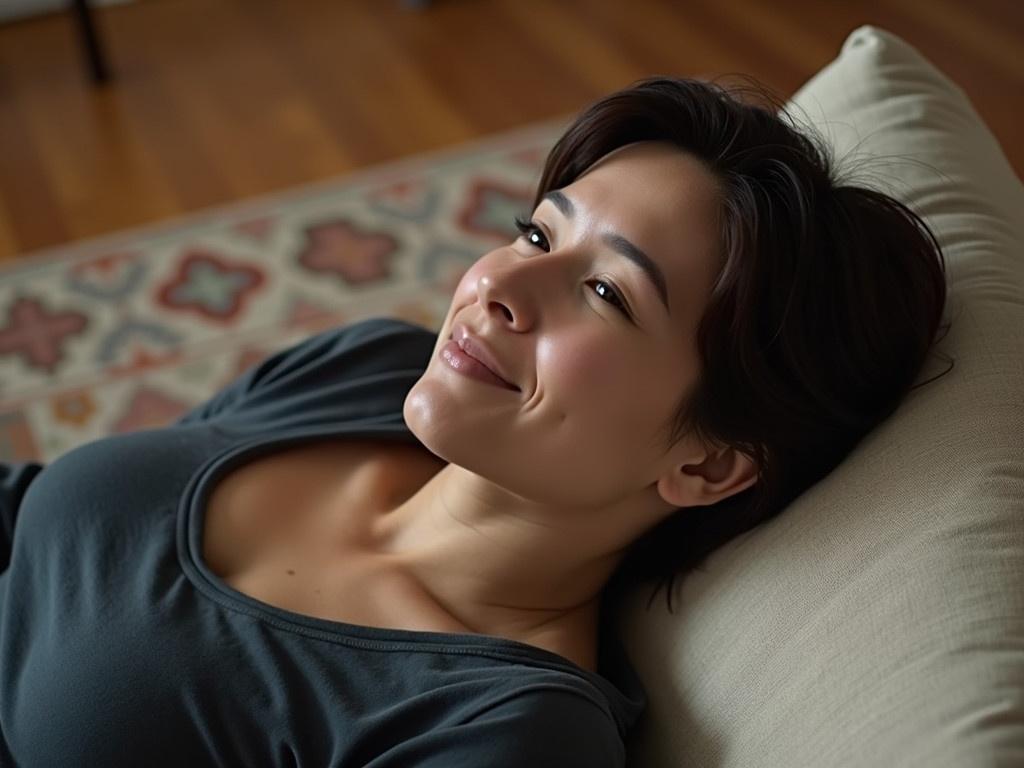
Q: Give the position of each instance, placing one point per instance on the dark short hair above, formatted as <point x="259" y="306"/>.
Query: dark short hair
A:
<point x="827" y="300"/>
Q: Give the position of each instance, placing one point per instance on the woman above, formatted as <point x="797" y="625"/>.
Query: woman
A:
<point x="389" y="547"/>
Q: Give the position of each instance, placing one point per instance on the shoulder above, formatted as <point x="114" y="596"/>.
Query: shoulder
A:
<point x="556" y="726"/>
<point x="383" y="325"/>
<point x="376" y="345"/>
<point x="544" y="726"/>
<point x="368" y="364"/>
<point x="372" y="331"/>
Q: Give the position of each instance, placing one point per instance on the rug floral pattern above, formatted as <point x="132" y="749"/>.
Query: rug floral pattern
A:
<point x="127" y="332"/>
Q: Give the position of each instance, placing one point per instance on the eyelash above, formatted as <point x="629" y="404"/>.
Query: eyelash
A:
<point x="527" y="227"/>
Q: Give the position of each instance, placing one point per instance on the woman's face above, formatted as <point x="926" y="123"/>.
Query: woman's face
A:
<point x="583" y="332"/>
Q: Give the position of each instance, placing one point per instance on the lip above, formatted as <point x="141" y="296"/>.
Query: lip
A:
<point x="476" y="348"/>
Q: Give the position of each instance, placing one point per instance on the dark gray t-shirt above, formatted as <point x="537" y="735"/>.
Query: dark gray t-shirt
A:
<point x="119" y="647"/>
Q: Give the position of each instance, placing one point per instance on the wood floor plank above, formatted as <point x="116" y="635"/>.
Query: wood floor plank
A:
<point x="485" y="65"/>
<point x="408" y="95"/>
<point x="1008" y="15"/>
<point x="569" y="39"/>
<point x="103" y="173"/>
<point x="771" y="28"/>
<point x="242" y="106"/>
<point x="34" y="214"/>
<point x="670" y="42"/>
<point x="8" y="241"/>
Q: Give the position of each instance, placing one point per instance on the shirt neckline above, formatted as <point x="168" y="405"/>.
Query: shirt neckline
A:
<point x="191" y="515"/>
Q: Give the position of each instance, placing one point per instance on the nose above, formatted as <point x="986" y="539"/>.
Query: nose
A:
<point x="513" y="291"/>
<point x="497" y="301"/>
<point x="506" y="294"/>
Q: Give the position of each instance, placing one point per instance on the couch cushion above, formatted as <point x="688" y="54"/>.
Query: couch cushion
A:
<point x="879" y="619"/>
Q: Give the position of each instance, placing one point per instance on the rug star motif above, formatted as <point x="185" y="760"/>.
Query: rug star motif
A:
<point x="37" y="335"/>
<point x="356" y="255"/>
<point x="211" y="285"/>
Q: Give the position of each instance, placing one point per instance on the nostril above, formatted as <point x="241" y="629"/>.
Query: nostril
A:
<point x="505" y="311"/>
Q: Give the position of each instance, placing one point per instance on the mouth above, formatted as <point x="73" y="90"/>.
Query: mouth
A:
<point x="477" y="349"/>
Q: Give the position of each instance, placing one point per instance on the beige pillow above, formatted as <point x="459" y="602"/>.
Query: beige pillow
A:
<point x="879" y="619"/>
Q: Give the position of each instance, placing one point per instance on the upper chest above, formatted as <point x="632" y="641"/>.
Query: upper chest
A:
<point x="290" y="528"/>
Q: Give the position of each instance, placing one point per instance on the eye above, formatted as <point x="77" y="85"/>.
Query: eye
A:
<point x="531" y="233"/>
<point x="528" y="229"/>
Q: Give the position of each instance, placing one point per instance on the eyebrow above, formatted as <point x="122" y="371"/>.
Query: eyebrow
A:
<point x="620" y="245"/>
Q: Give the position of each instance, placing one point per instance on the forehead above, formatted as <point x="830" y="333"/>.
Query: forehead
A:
<point x="663" y="200"/>
<point x="659" y="181"/>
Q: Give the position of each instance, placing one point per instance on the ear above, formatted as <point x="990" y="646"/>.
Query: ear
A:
<point x="720" y="473"/>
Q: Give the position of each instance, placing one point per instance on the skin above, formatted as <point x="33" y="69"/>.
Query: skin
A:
<point x="546" y="488"/>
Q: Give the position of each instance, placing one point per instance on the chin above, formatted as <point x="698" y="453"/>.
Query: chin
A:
<point x="420" y="413"/>
<point x="440" y="430"/>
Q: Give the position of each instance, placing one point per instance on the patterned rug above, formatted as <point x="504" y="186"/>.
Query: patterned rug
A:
<point x="128" y="331"/>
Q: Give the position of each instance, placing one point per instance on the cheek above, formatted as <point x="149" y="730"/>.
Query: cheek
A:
<point x="573" y="366"/>
<point x="611" y="393"/>
<point x="590" y="370"/>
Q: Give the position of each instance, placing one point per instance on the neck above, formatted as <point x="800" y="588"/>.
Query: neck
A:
<point x="516" y="571"/>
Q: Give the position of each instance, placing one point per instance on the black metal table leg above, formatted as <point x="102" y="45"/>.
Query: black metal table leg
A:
<point x="91" y="40"/>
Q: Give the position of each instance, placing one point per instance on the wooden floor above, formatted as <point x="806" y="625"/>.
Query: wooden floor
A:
<point x="217" y="100"/>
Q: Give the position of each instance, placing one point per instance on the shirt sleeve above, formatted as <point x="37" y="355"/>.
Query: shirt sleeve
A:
<point x="540" y="729"/>
<point x="14" y="482"/>
<point x="342" y="353"/>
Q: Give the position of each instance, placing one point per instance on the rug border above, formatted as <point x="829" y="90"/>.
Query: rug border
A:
<point x="28" y="261"/>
